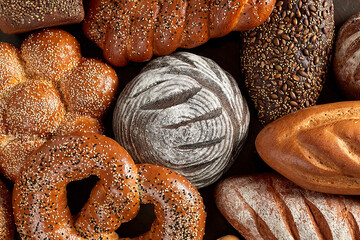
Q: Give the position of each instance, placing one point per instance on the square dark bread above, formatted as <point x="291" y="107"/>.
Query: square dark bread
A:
<point x="24" y="16"/>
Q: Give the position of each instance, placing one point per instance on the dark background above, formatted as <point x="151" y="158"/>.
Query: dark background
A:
<point x="225" y="51"/>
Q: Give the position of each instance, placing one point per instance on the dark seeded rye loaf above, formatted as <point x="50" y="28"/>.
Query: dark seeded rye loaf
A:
<point x="269" y="206"/>
<point x="284" y="61"/>
<point x="24" y="16"/>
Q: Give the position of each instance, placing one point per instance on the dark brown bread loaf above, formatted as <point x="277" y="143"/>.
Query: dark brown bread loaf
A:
<point x="347" y="58"/>
<point x="317" y="148"/>
<point x="185" y="113"/>
<point x="137" y="30"/>
<point x="284" y="61"/>
<point x="269" y="206"/>
<point x="24" y="16"/>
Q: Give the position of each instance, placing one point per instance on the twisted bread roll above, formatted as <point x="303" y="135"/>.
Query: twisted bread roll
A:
<point x="7" y="227"/>
<point x="185" y="113"/>
<point x="268" y="206"/>
<point x="317" y="148"/>
<point x="47" y="88"/>
<point x="40" y="199"/>
<point x="347" y="57"/>
<point x="136" y="30"/>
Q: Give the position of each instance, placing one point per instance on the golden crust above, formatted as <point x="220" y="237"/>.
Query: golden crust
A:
<point x="137" y="30"/>
<point x="48" y="88"/>
<point x="40" y="201"/>
<point x="317" y="148"/>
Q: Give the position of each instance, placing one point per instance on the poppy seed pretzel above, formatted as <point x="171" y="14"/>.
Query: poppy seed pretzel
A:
<point x="138" y="29"/>
<point x="40" y="198"/>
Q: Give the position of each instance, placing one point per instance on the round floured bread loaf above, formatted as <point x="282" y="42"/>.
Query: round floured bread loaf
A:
<point x="347" y="58"/>
<point x="185" y="113"/>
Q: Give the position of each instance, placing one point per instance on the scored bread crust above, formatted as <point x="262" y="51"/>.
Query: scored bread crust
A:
<point x="136" y="30"/>
<point x="268" y="206"/>
<point x="317" y="148"/>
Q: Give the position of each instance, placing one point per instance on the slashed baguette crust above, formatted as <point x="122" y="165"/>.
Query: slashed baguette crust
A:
<point x="317" y="148"/>
<point x="268" y="206"/>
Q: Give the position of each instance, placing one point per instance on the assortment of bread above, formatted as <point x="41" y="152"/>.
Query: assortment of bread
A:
<point x="183" y="112"/>
<point x="182" y="119"/>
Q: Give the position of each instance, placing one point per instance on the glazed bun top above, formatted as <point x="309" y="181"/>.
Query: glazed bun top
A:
<point x="46" y="87"/>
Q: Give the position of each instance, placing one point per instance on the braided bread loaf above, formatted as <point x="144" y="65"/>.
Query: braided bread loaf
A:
<point x="317" y="148"/>
<point x="135" y="30"/>
<point x="47" y="88"/>
<point x="267" y="206"/>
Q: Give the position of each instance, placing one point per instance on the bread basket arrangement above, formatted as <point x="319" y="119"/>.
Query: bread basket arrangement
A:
<point x="181" y="119"/>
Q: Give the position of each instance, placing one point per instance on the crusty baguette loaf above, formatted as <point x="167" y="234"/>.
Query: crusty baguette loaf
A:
<point x="317" y="148"/>
<point x="285" y="60"/>
<point x="135" y="30"/>
<point x="268" y="206"/>
<point x="347" y="57"/>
